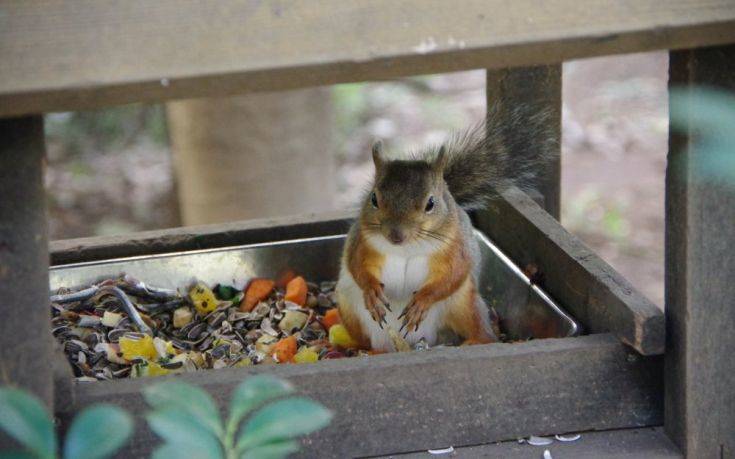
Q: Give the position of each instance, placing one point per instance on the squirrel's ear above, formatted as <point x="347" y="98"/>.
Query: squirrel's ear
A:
<point x="378" y="154"/>
<point x="440" y="161"/>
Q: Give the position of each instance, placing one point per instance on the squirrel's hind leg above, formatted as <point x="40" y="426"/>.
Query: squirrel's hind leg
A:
<point x="469" y="317"/>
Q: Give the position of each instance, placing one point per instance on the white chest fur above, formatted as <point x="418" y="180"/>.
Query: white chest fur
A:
<point x="402" y="276"/>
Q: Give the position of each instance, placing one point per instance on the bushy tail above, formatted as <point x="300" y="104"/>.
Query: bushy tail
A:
<point x="499" y="153"/>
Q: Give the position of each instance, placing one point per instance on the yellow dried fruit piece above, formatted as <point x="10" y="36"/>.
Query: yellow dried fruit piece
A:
<point x="154" y="369"/>
<point x="339" y="336"/>
<point x="132" y="347"/>
<point x="203" y="299"/>
<point x="305" y="355"/>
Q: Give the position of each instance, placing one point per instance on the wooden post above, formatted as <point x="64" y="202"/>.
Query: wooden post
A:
<point x="700" y="290"/>
<point x="25" y="336"/>
<point x="539" y="89"/>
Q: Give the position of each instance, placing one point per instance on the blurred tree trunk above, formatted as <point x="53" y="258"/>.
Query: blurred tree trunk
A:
<point x="253" y="156"/>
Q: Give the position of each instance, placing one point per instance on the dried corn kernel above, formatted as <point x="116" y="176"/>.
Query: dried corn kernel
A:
<point x="339" y="336"/>
<point x="305" y="355"/>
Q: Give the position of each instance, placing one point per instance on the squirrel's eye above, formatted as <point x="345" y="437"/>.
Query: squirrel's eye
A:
<point x="374" y="199"/>
<point x="430" y="204"/>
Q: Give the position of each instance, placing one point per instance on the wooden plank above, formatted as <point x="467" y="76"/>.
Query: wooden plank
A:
<point x="700" y="292"/>
<point x="25" y="332"/>
<point x="590" y="289"/>
<point x="531" y="91"/>
<point x="644" y="443"/>
<point x="82" y="54"/>
<point x="200" y="237"/>
<point x="461" y="396"/>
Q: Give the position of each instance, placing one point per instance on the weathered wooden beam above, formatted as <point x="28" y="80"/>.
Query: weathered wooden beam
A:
<point x="200" y="237"/>
<point x="590" y="289"/>
<point x="454" y="396"/>
<point x="533" y="91"/>
<point x="700" y="262"/>
<point x="25" y="334"/>
<point x="82" y="54"/>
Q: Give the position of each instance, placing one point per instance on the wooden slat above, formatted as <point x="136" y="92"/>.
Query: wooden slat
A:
<point x="643" y="443"/>
<point x="590" y="289"/>
<point x="199" y="237"/>
<point x="79" y="54"/>
<point x="25" y="327"/>
<point x="454" y="396"/>
<point x="700" y="262"/>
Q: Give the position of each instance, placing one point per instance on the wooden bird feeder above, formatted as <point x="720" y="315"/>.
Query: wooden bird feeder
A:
<point x="622" y="377"/>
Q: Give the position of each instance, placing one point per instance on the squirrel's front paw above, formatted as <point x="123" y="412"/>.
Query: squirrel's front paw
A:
<point x="374" y="296"/>
<point x="413" y="315"/>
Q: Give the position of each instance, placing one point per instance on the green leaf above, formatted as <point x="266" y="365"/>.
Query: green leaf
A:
<point x="97" y="432"/>
<point x="197" y="403"/>
<point x="253" y="392"/>
<point x="226" y="292"/>
<point x="170" y="451"/>
<point x="282" y="420"/>
<point x="17" y="455"/>
<point x="275" y="450"/>
<point x="24" y="418"/>
<point x="175" y="425"/>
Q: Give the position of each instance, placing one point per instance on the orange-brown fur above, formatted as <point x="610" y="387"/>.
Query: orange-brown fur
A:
<point x="365" y="264"/>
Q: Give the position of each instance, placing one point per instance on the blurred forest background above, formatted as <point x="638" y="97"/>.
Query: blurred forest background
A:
<point x="110" y="171"/>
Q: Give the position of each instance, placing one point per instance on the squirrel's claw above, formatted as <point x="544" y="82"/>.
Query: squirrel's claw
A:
<point x="377" y="312"/>
<point x="382" y="298"/>
<point x="412" y="316"/>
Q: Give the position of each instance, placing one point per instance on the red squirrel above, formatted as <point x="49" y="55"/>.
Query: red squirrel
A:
<point x="410" y="261"/>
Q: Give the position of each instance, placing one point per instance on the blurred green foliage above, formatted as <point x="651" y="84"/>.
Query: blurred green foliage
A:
<point x="710" y="113"/>
<point x="265" y="420"/>
<point x="96" y="432"/>
<point x="80" y="132"/>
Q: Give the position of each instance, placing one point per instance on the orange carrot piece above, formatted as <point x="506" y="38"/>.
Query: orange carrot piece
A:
<point x="331" y="318"/>
<point x="296" y="291"/>
<point x="257" y="291"/>
<point x="285" y="349"/>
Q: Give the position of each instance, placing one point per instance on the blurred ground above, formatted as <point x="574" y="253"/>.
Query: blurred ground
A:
<point x="110" y="171"/>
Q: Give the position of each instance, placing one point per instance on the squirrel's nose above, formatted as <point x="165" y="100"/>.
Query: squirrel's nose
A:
<point x="395" y="236"/>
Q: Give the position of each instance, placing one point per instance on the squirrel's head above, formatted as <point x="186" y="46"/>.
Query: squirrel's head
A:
<point x="409" y="200"/>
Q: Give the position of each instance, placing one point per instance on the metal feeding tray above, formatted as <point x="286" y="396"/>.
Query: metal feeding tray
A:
<point x="525" y="310"/>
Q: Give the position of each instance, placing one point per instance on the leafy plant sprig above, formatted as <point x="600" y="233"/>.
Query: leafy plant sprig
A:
<point x="188" y="420"/>
<point x="97" y="432"/>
